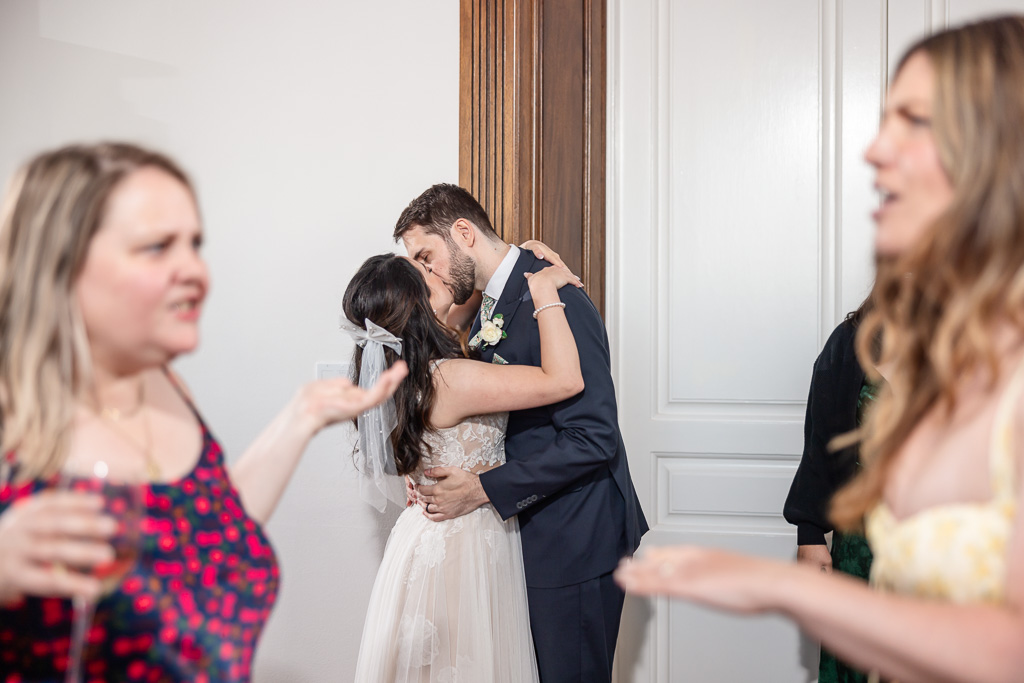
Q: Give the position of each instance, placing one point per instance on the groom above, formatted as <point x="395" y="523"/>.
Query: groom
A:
<point x="566" y="475"/>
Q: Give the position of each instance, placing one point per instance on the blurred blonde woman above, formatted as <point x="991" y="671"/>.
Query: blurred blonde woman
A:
<point x="943" y="446"/>
<point x="101" y="286"/>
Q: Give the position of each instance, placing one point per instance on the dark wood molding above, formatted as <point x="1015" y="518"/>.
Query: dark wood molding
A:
<point x="532" y="124"/>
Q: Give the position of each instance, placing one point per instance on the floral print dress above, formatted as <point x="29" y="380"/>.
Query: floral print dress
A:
<point x="191" y="609"/>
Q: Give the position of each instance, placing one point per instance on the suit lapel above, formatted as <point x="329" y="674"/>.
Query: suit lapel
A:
<point x="516" y="291"/>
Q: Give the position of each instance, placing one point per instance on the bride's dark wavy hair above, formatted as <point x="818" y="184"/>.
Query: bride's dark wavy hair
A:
<point x="391" y="293"/>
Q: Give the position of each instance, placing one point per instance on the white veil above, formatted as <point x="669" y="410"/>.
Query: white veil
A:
<point x="374" y="456"/>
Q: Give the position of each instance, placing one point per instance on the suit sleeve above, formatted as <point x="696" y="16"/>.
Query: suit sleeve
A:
<point x="586" y="425"/>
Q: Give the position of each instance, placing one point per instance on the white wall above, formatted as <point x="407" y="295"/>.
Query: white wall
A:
<point x="307" y="126"/>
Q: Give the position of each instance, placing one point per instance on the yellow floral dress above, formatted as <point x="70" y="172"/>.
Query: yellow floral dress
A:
<point x="956" y="552"/>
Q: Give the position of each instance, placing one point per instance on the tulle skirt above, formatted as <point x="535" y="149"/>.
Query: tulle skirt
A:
<point x="449" y="604"/>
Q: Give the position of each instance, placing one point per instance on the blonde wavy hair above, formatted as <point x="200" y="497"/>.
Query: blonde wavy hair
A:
<point x="52" y="209"/>
<point x="936" y="306"/>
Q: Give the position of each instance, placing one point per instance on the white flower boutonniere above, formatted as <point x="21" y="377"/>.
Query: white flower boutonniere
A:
<point x="491" y="332"/>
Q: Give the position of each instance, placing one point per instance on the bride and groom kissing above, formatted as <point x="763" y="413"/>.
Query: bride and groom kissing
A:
<point x="503" y="573"/>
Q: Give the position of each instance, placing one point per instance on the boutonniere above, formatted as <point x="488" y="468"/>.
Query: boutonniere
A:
<point x="491" y="332"/>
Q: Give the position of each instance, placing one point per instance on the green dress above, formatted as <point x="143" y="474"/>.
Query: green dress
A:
<point x="850" y="555"/>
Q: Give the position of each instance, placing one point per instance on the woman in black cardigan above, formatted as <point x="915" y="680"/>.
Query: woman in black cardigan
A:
<point x="838" y="397"/>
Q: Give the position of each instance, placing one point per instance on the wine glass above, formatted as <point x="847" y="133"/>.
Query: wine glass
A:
<point x="122" y="494"/>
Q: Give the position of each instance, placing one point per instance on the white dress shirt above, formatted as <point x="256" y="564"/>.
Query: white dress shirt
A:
<point x="496" y="285"/>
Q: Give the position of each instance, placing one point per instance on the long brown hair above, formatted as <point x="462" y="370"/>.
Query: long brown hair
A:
<point x="52" y="209"/>
<point x="389" y="291"/>
<point x="937" y="304"/>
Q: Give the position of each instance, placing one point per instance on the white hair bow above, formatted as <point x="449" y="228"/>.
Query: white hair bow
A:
<point x="374" y="457"/>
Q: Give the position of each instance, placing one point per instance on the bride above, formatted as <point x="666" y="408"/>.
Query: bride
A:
<point x="449" y="602"/>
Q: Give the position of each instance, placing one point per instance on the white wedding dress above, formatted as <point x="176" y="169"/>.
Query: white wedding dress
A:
<point x="449" y="602"/>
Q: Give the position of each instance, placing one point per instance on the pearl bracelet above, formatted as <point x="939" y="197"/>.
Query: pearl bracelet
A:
<point x="557" y="303"/>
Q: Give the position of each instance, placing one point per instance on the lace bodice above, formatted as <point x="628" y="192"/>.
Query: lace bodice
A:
<point x="475" y="441"/>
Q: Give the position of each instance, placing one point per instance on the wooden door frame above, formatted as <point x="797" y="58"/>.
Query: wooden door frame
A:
<point x="532" y="121"/>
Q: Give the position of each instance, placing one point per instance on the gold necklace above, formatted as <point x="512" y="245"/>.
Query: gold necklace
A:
<point x="112" y="417"/>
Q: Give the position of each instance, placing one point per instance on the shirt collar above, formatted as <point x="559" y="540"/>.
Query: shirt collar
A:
<point x="496" y="285"/>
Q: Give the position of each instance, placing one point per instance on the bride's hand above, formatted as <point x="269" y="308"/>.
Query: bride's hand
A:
<point x="412" y="497"/>
<point x="543" y="251"/>
<point x="555" y="277"/>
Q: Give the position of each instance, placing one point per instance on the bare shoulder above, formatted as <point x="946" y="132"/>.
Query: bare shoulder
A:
<point x="168" y="391"/>
<point x="176" y="380"/>
<point x="452" y="379"/>
<point x="450" y="374"/>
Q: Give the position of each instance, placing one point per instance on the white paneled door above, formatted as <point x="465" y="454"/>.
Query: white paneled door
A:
<point x="739" y="236"/>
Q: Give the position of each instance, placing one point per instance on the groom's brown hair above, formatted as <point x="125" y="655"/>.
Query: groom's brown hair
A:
<point x="438" y="208"/>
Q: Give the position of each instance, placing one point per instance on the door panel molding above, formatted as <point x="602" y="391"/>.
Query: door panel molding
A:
<point x="719" y="450"/>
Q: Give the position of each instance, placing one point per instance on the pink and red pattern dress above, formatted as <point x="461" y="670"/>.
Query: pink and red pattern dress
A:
<point x="192" y="608"/>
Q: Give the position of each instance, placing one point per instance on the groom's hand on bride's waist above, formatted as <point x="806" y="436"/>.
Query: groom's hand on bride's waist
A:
<point x="456" y="493"/>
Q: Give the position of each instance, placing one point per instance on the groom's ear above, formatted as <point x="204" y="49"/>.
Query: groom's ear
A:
<point x="464" y="232"/>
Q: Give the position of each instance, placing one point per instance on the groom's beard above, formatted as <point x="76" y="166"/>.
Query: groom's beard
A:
<point x="461" y="275"/>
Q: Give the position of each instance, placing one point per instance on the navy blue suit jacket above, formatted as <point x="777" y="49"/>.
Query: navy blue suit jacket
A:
<point x="566" y="474"/>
